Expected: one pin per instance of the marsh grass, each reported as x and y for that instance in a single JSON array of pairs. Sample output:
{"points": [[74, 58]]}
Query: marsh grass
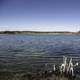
{"points": [[39, 75]]}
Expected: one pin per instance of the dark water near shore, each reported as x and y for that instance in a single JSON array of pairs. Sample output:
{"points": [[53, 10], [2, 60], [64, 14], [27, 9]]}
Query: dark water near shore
{"points": [[23, 52]]}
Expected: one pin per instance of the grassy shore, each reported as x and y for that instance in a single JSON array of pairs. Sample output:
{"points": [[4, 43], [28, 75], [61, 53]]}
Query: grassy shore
{"points": [[34, 76]]}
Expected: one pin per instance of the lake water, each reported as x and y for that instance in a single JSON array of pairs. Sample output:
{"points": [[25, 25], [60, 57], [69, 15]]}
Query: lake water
{"points": [[21, 52]]}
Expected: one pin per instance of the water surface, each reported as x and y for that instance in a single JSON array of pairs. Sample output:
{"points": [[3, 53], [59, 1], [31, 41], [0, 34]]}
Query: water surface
{"points": [[21, 52]]}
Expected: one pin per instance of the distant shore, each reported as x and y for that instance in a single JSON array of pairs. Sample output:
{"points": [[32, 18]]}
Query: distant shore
{"points": [[39, 33]]}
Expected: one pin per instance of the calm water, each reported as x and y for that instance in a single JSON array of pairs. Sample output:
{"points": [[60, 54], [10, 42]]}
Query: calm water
{"points": [[18, 52]]}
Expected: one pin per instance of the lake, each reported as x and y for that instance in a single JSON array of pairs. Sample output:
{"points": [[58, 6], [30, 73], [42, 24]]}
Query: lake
{"points": [[26, 52]]}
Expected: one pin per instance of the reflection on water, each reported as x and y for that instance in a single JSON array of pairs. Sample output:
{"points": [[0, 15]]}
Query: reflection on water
{"points": [[18, 52]]}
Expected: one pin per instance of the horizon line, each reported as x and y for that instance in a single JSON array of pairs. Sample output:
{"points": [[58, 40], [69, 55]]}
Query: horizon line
{"points": [[33, 31]]}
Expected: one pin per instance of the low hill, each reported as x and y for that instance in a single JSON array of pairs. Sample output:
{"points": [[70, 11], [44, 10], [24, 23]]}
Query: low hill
{"points": [[39, 33]]}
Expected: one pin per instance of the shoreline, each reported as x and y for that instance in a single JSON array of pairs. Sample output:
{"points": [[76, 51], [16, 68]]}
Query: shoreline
{"points": [[39, 33]]}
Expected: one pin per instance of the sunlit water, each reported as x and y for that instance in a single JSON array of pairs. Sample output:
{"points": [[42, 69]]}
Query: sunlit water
{"points": [[21, 52]]}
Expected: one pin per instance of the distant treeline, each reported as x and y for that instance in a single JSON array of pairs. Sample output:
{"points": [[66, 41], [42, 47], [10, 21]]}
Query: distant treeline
{"points": [[38, 32]]}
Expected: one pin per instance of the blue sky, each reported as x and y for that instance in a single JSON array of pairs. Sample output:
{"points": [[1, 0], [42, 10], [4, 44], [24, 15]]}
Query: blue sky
{"points": [[40, 15]]}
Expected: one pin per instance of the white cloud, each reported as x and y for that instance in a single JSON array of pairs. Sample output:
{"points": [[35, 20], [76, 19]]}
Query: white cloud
{"points": [[41, 28]]}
